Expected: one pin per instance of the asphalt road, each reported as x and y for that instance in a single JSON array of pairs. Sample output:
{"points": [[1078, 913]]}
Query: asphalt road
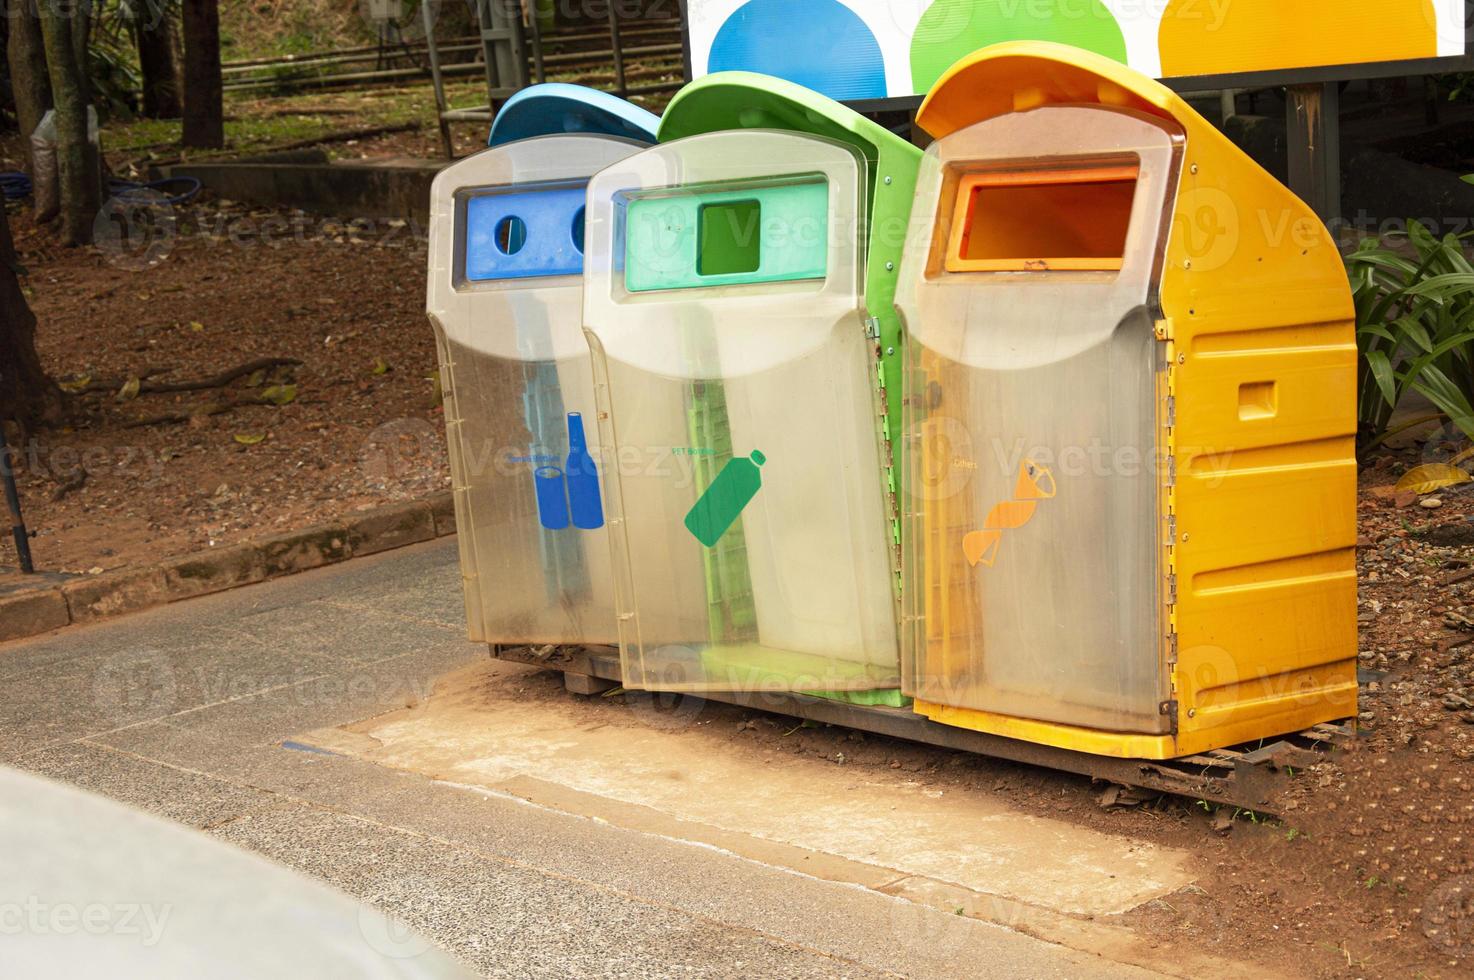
{"points": [[194, 712]]}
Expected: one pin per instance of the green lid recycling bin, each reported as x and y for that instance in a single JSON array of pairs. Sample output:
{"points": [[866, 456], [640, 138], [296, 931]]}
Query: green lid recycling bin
{"points": [[724, 303], [505, 293]]}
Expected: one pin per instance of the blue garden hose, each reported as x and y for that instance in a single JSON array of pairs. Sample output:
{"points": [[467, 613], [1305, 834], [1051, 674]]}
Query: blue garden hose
{"points": [[17, 185], [123, 189]]}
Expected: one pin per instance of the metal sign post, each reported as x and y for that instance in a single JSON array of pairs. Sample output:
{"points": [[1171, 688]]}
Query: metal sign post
{"points": [[12, 504], [502, 26], [1315, 146]]}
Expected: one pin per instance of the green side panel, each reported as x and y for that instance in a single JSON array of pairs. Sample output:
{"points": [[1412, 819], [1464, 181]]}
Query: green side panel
{"points": [[737, 236], [952, 29], [731, 609], [890, 218], [891, 698], [758, 668]]}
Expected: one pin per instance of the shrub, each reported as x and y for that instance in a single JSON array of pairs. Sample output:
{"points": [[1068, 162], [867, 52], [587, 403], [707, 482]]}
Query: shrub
{"points": [[1415, 331]]}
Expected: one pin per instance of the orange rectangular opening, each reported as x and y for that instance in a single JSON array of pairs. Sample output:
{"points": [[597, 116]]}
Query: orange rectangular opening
{"points": [[1065, 220]]}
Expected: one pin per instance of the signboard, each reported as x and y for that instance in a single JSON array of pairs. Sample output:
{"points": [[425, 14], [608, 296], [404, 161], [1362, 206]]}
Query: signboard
{"points": [[864, 50]]}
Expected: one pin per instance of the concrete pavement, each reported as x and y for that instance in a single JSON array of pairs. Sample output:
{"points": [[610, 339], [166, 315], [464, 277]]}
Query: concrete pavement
{"points": [[199, 712]]}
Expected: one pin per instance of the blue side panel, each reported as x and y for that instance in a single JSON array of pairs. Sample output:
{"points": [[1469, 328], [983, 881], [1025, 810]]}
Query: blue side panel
{"points": [[556, 107], [820, 44], [523, 234], [565, 572]]}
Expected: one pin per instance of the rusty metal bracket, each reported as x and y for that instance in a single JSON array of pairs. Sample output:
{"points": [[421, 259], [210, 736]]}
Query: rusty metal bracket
{"points": [[1249, 779]]}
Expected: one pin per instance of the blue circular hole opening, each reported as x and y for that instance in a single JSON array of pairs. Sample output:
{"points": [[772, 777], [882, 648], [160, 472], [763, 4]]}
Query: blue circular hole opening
{"points": [[511, 234], [578, 231]]}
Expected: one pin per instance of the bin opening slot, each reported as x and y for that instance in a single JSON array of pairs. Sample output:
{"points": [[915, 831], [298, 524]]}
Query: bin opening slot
{"points": [[1073, 219], [705, 236], [731, 238], [519, 232]]}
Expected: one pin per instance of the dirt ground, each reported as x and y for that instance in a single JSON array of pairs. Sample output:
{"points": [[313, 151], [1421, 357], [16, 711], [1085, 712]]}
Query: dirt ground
{"points": [[145, 476]]}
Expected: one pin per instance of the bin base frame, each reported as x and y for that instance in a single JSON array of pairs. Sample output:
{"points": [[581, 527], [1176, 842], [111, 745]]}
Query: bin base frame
{"points": [[1251, 777]]}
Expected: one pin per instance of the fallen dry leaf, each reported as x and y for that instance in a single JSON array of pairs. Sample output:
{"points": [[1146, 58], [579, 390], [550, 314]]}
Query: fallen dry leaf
{"points": [[1431, 477]]}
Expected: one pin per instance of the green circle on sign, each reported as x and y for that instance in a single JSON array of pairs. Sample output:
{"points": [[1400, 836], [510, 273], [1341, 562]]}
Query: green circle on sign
{"points": [[950, 30]]}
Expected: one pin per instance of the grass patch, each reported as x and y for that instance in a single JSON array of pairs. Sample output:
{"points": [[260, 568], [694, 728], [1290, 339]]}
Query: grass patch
{"points": [[254, 123]]}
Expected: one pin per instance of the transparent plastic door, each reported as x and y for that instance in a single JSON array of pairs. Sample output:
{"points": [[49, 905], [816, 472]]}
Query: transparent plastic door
{"points": [[1034, 515], [724, 304], [505, 296]]}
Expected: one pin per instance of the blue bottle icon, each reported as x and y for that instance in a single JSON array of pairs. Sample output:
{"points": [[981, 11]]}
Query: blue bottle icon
{"points": [[586, 504], [552, 501]]}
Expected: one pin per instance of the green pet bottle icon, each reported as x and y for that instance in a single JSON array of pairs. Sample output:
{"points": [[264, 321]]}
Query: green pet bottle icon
{"points": [[726, 498]]}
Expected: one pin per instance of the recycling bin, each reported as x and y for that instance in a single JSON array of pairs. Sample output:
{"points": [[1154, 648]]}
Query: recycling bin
{"points": [[724, 303], [1130, 419], [738, 100], [505, 296]]}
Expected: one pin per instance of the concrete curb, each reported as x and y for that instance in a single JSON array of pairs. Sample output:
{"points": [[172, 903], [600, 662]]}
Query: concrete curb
{"points": [[87, 600], [377, 190]]}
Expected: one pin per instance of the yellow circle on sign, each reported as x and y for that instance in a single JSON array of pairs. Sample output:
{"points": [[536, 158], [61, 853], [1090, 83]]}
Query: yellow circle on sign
{"points": [[1212, 37]]}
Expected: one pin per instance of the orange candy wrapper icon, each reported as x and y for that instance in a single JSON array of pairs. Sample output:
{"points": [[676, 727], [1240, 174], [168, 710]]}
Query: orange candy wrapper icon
{"points": [[1035, 483]]}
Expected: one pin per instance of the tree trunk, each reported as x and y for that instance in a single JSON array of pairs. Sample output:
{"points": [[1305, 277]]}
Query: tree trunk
{"points": [[157, 62], [26, 393], [204, 109], [77, 167], [81, 35], [26, 54]]}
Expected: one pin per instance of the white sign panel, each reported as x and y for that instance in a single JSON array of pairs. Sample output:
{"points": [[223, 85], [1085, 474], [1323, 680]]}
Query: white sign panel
{"points": [[871, 49]]}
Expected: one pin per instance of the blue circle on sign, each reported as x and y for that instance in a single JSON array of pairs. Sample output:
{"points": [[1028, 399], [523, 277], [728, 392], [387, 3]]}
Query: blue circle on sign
{"points": [[820, 44]]}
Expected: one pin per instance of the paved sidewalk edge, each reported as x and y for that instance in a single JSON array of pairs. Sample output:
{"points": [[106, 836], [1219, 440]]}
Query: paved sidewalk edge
{"points": [[89, 599]]}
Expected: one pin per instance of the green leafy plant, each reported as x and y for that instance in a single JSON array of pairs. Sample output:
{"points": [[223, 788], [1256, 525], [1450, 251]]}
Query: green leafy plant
{"points": [[1415, 331], [1459, 86], [113, 78]]}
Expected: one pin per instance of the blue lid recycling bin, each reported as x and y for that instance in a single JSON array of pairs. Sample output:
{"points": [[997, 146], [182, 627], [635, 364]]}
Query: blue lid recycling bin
{"points": [[505, 292]]}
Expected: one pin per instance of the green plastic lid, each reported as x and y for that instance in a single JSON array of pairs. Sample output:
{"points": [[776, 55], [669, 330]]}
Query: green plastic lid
{"points": [[747, 100]]}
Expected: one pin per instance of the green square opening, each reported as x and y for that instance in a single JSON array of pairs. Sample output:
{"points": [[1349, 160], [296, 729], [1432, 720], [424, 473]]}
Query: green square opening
{"points": [[731, 238]]}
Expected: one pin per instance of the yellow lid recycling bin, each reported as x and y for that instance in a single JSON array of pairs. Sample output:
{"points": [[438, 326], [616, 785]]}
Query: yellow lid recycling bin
{"points": [[725, 306], [1130, 419], [505, 297]]}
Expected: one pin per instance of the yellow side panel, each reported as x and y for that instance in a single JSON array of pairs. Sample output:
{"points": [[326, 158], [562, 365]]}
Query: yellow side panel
{"points": [[1259, 309], [1091, 740]]}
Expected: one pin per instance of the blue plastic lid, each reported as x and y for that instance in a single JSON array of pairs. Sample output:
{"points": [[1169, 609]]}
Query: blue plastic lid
{"points": [[556, 107]]}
